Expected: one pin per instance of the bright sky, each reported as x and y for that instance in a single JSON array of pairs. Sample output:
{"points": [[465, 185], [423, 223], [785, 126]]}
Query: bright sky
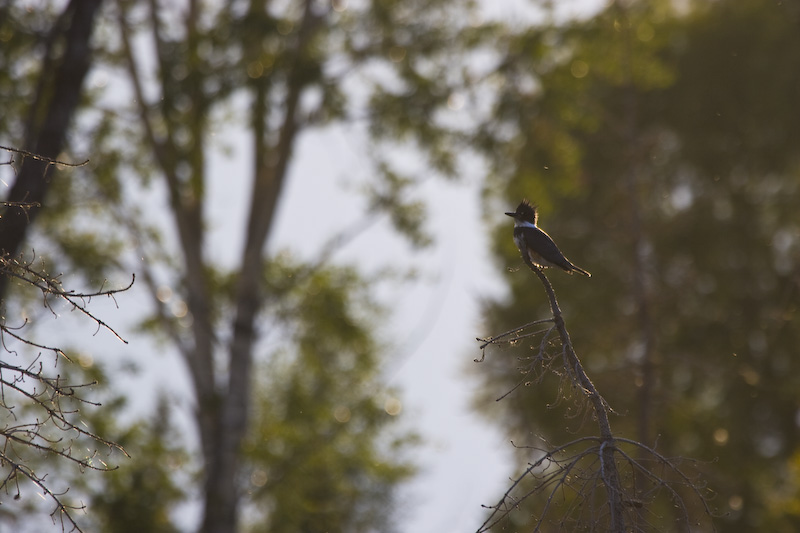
{"points": [[464, 461]]}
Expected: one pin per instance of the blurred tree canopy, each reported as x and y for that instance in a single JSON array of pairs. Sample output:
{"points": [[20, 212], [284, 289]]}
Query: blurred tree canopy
{"points": [[320, 452], [661, 143], [659, 140]]}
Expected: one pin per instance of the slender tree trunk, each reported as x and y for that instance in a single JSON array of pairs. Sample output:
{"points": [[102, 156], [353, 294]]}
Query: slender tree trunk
{"points": [[221, 509], [187, 213], [222, 407], [65, 65]]}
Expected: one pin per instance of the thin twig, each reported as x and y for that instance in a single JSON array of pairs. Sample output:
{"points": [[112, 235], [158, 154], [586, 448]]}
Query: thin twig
{"points": [[42, 158]]}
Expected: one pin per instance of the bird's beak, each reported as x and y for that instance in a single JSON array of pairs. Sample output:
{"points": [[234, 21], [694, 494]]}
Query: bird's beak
{"points": [[511, 214]]}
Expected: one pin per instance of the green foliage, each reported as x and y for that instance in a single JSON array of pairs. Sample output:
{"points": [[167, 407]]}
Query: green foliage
{"points": [[318, 455], [291, 66], [22, 42], [669, 156], [142, 493], [311, 391], [389, 195]]}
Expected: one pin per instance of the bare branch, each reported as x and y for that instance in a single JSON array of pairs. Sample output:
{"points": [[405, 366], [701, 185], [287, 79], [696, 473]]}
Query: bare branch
{"points": [[50, 286], [39, 158], [62, 510], [43, 411], [592, 482]]}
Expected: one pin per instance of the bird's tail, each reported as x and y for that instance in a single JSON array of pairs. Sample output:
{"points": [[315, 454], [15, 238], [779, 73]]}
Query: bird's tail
{"points": [[580, 270]]}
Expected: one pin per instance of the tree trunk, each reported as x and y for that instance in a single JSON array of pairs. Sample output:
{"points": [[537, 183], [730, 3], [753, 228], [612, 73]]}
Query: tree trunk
{"points": [[221, 506], [57, 97]]}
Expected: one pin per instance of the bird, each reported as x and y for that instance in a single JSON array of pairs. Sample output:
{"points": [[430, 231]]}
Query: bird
{"points": [[537, 245]]}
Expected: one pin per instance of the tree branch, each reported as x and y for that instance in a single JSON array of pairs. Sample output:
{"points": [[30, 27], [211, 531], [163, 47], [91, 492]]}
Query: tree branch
{"points": [[43, 412], [567, 476], [599, 406]]}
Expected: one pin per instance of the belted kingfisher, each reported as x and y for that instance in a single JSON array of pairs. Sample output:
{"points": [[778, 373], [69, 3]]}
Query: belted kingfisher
{"points": [[535, 243]]}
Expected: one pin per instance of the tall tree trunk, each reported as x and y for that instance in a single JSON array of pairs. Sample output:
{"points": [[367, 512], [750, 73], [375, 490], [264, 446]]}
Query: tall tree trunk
{"points": [[66, 62], [222, 408], [221, 507]]}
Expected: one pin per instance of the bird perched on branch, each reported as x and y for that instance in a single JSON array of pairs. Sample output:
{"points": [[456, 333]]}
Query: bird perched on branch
{"points": [[537, 245]]}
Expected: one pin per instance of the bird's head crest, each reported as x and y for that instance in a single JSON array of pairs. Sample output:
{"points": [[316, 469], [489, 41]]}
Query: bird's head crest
{"points": [[528, 211]]}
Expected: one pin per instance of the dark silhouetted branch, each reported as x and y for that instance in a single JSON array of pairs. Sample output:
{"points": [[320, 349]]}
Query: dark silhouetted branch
{"points": [[631, 475]]}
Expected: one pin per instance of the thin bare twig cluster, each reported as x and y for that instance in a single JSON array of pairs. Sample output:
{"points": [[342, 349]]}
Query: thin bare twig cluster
{"points": [[40, 411], [533, 367], [572, 494], [593, 483]]}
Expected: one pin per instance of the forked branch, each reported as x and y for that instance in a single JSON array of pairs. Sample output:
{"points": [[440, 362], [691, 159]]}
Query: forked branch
{"points": [[598, 482]]}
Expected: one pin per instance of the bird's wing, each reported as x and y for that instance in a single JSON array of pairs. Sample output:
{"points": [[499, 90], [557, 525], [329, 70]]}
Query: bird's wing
{"points": [[541, 243]]}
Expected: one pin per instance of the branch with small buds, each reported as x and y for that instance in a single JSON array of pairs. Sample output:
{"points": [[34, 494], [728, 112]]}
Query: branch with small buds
{"points": [[42, 411]]}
